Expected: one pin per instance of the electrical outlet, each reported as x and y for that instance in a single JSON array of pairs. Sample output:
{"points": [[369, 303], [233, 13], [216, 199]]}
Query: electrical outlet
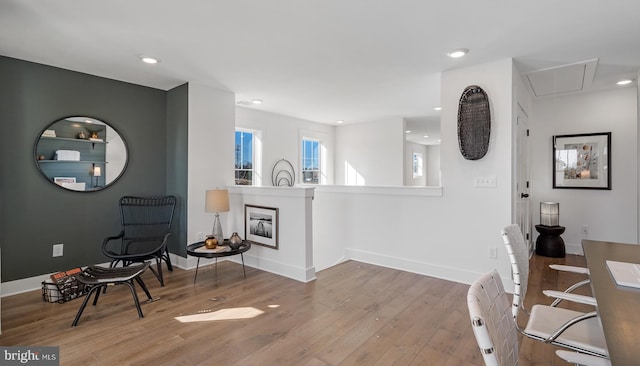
{"points": [[585, 231], [492, 252], [58, 250]]}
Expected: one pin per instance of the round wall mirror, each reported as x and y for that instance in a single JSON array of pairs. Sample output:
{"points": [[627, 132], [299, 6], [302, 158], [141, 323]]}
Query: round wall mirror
{"points": [[81, 154]]}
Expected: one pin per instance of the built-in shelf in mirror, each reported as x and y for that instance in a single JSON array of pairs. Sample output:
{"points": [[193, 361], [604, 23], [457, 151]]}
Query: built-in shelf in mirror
{"points": [[81, 154]]}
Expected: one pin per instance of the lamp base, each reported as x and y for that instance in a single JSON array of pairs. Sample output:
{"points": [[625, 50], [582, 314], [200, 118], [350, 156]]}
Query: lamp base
{"points": [[549, 242], [217, 230]]}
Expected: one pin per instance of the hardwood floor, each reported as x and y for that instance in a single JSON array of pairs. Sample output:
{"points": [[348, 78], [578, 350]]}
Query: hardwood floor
{"points": [[353, 314]]}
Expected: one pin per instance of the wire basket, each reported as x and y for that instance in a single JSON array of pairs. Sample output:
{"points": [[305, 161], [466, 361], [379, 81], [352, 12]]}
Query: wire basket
{"points": [[66, 291]]}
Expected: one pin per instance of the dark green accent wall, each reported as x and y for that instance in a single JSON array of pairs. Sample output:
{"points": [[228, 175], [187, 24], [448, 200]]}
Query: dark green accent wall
{"points": [[177, 158], [34, 214]]}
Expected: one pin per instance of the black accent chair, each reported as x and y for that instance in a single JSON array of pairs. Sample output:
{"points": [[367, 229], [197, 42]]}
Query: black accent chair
{"points": [[146, 224]]}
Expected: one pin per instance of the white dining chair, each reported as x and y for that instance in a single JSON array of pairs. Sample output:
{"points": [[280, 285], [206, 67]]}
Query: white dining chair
{"points": [[570, 289], [515, 237], [495, 328], [581, 332]]}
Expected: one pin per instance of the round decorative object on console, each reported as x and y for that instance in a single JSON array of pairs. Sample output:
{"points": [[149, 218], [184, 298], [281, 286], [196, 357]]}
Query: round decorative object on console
{"points": [[235, 241], [211, 242], [283, 174]]}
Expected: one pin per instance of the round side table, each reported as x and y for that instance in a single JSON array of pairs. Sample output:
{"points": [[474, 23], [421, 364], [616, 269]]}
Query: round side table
{"points": [[224, 250], [549, 242]]}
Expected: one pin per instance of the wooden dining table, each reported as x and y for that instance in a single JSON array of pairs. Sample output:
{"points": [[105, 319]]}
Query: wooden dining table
{"points": [[618, 306]]}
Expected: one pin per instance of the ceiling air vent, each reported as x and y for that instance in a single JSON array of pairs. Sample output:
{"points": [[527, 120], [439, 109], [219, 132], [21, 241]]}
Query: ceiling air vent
{"points": [[562, 79]]}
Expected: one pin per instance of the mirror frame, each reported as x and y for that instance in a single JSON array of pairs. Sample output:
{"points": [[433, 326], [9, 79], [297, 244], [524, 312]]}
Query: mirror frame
{"points": [[93, 189]]}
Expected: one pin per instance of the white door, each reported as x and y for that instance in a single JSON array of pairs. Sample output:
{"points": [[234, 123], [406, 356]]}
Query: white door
{"points": [[523, 218]]}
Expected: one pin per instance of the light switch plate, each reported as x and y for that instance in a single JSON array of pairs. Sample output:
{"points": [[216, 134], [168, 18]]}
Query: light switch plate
{"points": [[485, 182]]}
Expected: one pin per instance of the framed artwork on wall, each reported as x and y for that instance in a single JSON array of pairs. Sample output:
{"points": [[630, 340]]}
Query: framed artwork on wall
{"points": [[261, 225], [582, 161]]}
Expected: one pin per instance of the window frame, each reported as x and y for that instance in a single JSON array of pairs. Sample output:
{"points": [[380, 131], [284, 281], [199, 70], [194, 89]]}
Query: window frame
{"points": [[253, 156], [320, 158], [418, 166]]}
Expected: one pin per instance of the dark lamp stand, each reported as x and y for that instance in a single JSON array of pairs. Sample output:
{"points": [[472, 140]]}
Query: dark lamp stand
{"points": [[549, 242]]}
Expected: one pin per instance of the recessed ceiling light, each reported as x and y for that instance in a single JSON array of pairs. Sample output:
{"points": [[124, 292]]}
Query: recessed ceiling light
{"points": [[624, 82], [458, 52], [437, 108], [407, 131], [426, 136], [339, 121], [149, 60], [256, 101]]}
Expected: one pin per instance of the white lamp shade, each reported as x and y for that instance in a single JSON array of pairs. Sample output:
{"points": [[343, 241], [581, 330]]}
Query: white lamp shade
{"points": [[217, 200], [549, 213], [97, 171]]}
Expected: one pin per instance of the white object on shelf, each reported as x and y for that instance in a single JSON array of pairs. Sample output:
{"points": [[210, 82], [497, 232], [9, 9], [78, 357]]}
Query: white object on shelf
{"points": [[68, 155]]}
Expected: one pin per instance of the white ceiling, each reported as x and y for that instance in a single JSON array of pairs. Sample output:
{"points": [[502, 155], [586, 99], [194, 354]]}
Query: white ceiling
{"points": [[320, 60]]}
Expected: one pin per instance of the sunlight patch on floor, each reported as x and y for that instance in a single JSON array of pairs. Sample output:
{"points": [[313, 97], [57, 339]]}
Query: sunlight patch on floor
{"points": [[223, 314]]}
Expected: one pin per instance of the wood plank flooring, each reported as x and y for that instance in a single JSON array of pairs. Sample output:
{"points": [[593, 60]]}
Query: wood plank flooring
{"points": [[353, 314]]}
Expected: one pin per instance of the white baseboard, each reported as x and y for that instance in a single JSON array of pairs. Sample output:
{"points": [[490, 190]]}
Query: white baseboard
{"points": [[23, 285], [282, 269], [423, 268], [299, 274], [573, 249], [29, 284]]}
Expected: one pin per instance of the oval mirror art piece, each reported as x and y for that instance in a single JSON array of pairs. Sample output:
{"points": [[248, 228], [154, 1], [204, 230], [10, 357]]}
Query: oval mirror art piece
{"points": [[474, 123], [81, 154]]}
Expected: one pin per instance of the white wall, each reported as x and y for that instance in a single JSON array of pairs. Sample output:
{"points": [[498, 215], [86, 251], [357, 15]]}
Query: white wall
{"points": [[370, 153], [478, 213], [409, 149], [211, 141], [281, 137], [433, 165], [442, 232], [294, 256], [611, 215]]}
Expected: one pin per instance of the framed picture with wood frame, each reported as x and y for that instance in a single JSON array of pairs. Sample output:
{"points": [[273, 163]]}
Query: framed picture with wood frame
{"points": [[582, 161], [261, 225]]}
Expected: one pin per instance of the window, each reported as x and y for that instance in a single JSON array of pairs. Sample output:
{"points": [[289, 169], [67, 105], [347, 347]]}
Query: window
{"points": [[417, 165], [310, 161], [244, 168]]}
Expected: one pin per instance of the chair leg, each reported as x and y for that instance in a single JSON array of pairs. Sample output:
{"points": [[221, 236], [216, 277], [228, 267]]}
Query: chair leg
{"points": [[144, 287], [95, 299], [158, 271], [84, 304], [160, 277], [167, 259], [135, 297]]}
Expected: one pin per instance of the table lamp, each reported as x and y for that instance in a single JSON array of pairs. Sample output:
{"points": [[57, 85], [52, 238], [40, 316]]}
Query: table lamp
{"points": [[217, 200], [97, 172], [549, 213]]}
